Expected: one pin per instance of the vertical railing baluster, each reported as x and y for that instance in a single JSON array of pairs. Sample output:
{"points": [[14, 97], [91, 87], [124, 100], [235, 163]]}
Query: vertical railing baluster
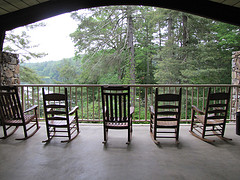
{"points": [[76, 96], [93, 102], [134, 102], [203, 100], [151, 96], [99, 105], [70, 97], [197, 96], [23, 98], [146, 102], [139, 104], [27, 98], [87, 106], [186, 103], [33, 97], [38, 103], [236, 108], [231, 103], [82, 101]]}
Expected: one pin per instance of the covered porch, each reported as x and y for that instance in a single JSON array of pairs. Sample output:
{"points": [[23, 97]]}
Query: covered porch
{"points": [[87, 158]]}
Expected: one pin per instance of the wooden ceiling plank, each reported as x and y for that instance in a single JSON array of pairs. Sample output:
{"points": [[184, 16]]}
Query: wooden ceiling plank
{"points": [[18, 4], [43, 1], [8, 7], [218, 1], [31, 2], [230, 2], [237, 5], [2, 11]]}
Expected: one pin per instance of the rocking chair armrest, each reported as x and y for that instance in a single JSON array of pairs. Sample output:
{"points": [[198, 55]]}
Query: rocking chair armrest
{"points": [[49, 109], [197, 109], [151, 110], [132, 110], [73, 110], [31, 108]]}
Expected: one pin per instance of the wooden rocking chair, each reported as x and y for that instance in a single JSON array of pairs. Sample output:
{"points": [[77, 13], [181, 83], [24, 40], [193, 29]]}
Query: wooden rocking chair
{"points": [[165, 116], [12, 115], [117, 113], [59, 122], [212, 122]]}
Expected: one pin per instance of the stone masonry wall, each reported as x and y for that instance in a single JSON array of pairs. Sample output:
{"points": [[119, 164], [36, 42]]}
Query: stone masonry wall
{"points": [[9, 69], [235, 81]]}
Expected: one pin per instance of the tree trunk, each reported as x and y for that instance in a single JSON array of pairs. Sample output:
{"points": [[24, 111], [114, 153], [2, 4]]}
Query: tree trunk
{"points": [[184, 20], [170, 24], [170, 35], [130, 45]]}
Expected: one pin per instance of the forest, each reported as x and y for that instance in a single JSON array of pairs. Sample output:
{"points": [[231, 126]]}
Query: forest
{"points": [[136, 45], [142, 45]]}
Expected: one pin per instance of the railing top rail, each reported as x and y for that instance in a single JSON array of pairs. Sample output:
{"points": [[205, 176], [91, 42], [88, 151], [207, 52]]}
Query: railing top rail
{"points": [[131, 85]]}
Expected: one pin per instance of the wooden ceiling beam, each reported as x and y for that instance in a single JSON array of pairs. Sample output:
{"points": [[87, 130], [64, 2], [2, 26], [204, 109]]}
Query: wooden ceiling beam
{"points": [[52, 8]]}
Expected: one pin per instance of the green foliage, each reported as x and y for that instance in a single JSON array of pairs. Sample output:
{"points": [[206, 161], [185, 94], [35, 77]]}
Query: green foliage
{"points": [[28, 75], [56, 72], [20, 43], [169, 47]]}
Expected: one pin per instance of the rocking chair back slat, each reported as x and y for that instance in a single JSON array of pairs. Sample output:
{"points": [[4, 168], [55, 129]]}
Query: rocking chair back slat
{"points": [[116, 105], [11, 108]]}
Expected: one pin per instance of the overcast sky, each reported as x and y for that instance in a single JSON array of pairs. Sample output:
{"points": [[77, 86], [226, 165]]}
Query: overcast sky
{"points": [[54, 37]]}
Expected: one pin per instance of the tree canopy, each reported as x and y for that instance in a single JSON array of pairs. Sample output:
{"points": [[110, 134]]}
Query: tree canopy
{"points": [[147, 45]]}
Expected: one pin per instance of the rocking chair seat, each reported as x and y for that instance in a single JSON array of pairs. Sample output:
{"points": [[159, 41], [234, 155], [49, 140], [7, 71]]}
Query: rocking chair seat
{"points": [[116, 125], [166, 123], [28, 118], [210, 121], [60, 123]]}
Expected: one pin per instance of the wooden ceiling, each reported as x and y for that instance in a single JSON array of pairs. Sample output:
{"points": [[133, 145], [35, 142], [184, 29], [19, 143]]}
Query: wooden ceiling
{"points": [[15, 13]]}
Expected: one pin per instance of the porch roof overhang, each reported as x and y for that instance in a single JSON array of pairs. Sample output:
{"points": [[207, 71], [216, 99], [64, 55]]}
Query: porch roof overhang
{"points": [[15, 13]]}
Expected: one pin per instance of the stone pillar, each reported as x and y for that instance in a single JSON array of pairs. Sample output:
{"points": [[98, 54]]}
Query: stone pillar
{"points": [[235, 81], [9, 69]]}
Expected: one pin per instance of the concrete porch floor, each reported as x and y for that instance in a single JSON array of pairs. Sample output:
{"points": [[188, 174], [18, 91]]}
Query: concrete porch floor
{"points": [[86, 158]]}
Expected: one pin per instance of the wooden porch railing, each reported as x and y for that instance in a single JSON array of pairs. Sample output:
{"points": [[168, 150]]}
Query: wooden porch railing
{"points": [[88, 98]]}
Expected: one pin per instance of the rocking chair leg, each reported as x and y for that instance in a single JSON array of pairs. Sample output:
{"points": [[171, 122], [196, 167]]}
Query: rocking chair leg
{"points": [[177, 136], [154, 140], [67, 141], [203, 139], [48, 140], [11, 133], [129, 136], [105, 135], [223, 138], [49, 136]]}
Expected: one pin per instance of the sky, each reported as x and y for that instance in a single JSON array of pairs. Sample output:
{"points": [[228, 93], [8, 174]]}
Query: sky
{"points": [[53, 39]]}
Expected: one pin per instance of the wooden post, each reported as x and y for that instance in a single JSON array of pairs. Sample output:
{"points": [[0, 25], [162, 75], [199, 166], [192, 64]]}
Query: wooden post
{"points": [[2, 37]]}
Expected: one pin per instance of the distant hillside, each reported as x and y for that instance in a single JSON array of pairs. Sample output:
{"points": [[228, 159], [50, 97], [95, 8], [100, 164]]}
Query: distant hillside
{"points": [[50, 71]]}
